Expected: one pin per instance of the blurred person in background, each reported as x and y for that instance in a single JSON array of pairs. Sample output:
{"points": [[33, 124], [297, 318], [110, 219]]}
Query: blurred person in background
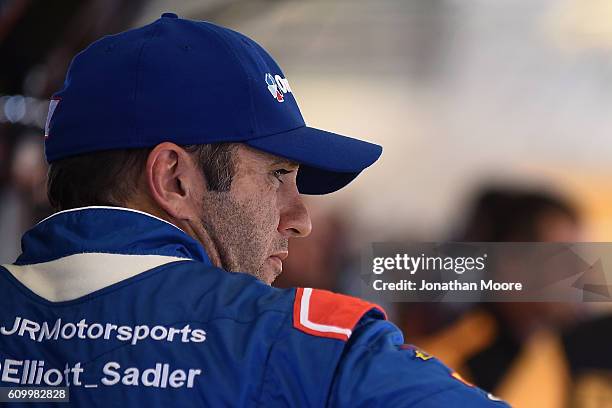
{"points": [[9, 203], [517, 215], [29, 175], [572, 369], [585, 360], [22, 190], [487, 341]]}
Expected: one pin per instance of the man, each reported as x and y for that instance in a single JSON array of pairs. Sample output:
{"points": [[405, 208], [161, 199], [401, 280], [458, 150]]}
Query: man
{"points": [[178, 155]]}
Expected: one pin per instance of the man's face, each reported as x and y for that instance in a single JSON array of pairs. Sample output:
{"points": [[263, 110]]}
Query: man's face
{"points": [[250, 225]]}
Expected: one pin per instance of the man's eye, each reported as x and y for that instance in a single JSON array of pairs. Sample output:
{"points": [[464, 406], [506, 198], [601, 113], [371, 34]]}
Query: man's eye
{"points": [[279, 173]]}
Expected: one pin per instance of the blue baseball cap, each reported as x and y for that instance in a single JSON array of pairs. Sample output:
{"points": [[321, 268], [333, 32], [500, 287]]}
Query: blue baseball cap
{"points": [[193, 82]]}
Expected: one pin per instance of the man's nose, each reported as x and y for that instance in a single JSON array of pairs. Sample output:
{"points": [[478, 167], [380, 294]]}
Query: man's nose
{"points": [[294, 219]]}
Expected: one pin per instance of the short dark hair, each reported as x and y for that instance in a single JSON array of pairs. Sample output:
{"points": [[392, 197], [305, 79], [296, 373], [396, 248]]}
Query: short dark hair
{"points": [[109, 178], [502, 214]]}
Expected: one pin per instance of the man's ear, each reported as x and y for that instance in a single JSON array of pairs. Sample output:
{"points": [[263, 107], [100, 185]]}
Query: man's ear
{"points": [[174, 180]]}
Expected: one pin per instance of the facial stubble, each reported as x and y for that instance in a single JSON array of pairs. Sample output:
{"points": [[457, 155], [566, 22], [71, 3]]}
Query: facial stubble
{"points": [[243, 232]]}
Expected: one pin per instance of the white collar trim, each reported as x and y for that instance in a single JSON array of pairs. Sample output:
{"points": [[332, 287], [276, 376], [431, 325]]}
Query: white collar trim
{"points": [[74, 276], [103, 207]]}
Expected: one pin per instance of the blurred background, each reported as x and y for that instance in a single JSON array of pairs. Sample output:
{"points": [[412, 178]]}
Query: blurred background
{"points": [[495, 121]]}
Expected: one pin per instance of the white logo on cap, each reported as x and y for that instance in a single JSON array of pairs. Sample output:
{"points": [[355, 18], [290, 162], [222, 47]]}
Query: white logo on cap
{"points": [[278, 86], [52, 105]]}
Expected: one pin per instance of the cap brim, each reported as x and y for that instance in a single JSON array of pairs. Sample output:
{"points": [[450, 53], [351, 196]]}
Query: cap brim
{"points": [[328, 161]]}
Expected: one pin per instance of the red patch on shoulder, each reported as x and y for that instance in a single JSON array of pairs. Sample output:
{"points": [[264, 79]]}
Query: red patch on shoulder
{"points": [[326, 314]]}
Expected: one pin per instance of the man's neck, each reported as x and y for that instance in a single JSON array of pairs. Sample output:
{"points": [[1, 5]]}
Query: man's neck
{"points": [[191, 227]]}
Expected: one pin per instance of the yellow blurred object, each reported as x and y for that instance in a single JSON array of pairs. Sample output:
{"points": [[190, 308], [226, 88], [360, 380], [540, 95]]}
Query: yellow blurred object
{"points": [[578, 24], [593, 390], [539, 378], [455, 344]]}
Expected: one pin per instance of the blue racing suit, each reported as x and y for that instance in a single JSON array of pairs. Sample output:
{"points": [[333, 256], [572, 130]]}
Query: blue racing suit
{"points": [[126, 309]]}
